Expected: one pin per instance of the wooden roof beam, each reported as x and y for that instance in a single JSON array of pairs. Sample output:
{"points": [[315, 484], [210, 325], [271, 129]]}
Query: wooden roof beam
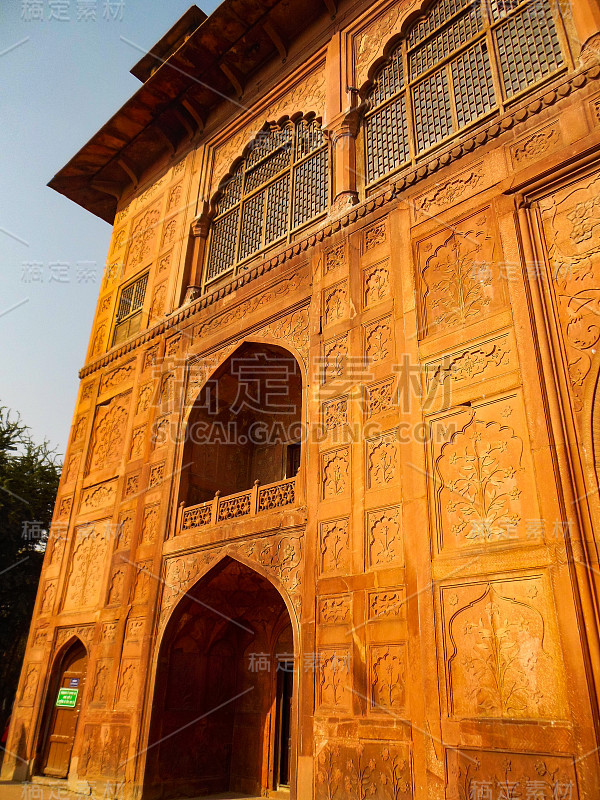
{"points": [[194, 111], [274, 36], [128, 169], [233, 78]]}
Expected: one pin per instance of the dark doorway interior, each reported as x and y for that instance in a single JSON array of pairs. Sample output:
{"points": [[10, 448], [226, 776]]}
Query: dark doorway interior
{"points": [[285, 684]]}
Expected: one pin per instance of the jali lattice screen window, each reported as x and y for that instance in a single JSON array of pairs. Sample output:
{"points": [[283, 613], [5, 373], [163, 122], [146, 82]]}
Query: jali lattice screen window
{"points": [[281, 184], [458, 62]]}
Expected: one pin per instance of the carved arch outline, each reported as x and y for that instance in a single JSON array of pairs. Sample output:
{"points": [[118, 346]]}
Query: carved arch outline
{"points": [[410, 16], [227, 351], [591, 440], [267, 126], [227, 551]]}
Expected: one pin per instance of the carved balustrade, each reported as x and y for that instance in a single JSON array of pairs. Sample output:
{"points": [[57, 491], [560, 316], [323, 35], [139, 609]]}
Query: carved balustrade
{"points": [[243, 504]]}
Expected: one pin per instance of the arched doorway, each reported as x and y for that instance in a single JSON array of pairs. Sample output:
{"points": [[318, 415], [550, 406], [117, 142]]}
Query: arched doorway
{"points": [[62, 711], [222, 718]]}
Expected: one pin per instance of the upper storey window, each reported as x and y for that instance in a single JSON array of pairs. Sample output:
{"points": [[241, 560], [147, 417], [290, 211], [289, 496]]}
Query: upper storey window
{"points": [[459, 61], [129, 311], [282, 183]]}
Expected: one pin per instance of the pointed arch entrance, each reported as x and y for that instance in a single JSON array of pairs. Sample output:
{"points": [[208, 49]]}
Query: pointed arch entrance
{"points": [[222, 711], [62, 711]]}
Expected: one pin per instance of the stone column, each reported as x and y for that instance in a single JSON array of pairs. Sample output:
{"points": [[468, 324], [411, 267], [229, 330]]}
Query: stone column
{"points": [[343, 131], [196, 253]]}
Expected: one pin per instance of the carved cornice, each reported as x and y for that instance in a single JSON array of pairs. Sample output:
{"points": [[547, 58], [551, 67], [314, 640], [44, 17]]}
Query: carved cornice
{"points": [[390, 192]]}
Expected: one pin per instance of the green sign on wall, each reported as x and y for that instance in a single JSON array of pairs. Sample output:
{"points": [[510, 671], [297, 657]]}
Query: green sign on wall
{"points": [[67, 698]]}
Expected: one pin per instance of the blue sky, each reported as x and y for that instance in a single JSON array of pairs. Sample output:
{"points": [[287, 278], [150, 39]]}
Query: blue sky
{"points": [[61, 80]]}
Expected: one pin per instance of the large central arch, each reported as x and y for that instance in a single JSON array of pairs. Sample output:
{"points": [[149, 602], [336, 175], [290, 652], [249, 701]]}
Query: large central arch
{"points": [[221, 719]]}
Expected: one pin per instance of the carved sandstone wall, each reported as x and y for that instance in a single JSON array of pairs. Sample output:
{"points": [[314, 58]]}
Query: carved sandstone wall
{"points": [[435, 560]]}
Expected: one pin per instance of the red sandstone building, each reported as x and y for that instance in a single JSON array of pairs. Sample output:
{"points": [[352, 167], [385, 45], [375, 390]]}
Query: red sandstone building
{"points": [[328, 522]]}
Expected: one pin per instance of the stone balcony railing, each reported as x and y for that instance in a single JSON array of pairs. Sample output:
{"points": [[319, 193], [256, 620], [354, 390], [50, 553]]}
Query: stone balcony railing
{"points": [[243, 504]]}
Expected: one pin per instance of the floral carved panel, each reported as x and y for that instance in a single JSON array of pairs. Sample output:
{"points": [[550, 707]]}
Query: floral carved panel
{"points": [[472, 773], [108, 433], [116, 585], [104, 752], [150, 522], [335, 412], [117, 377], [378, 341], [334, 609], [87, 560], [128, 682], [375, 236], [334, 259], [387, 604], [485, 490], [334, 546], [501, 653], [445, 376], [144, 398], [460, 279], [335, 473], [28, 692], [125, 529], [99, 496], [335, 355], [380, 397], [571, 227], [357, 770], [384, 541], [376, 284], [448, 192], [387, 678], [143, 578], [143, 238], [335, 303], [334, 679], [533, 146], [382, 461], [136, 449], [99, 691]]}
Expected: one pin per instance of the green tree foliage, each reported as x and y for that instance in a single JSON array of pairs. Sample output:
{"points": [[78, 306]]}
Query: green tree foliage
{"points": [[29, 476]]}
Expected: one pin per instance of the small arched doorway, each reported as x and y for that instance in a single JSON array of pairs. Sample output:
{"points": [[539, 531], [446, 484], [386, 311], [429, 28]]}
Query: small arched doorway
{"points": [[222, 718], [62, 711]]}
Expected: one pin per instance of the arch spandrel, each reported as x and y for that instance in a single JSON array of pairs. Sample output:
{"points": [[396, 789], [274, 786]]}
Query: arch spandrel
{"points": [[278, 559], [66, 637]]}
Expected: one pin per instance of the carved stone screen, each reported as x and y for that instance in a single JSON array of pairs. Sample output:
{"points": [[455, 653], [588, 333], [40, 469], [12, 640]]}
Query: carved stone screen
{"points": [[459, 62], [282, 183]]}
